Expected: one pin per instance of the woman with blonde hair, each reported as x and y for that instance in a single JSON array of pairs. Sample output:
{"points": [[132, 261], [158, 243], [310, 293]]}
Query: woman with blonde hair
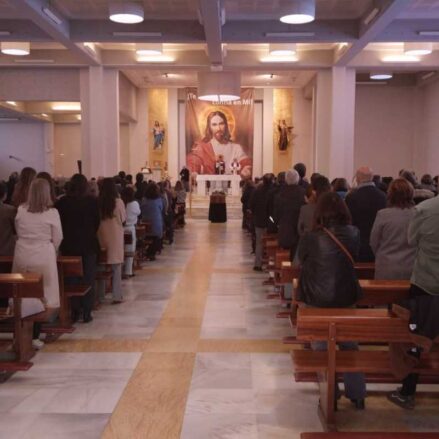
{"points": [[39, 235], [22, 187]]}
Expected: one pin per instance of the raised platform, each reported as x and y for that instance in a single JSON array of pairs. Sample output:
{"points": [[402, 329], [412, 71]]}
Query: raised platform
{"points": [[200, 207]]}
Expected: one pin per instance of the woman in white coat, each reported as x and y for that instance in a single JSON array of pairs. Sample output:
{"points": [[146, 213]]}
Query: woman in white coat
{"points": [[132, 213], [39, 235]]}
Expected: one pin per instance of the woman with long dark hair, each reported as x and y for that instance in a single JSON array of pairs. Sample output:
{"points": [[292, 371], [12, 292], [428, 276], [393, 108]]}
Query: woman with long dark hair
{"points": [[327, 276], [80, 221], [110, 235], [21, 189]]}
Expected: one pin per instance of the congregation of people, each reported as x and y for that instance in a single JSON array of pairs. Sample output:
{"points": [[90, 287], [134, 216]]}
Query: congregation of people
{"points": [[41, 218], [329, 226]]}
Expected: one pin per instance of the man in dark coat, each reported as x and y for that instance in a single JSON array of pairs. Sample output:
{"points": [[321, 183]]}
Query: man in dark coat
{"points": [[364, 202], [275, 189], [287, 204], [259, 209]]}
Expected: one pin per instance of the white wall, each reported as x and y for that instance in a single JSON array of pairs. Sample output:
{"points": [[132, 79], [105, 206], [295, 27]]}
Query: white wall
{"points": [[426, 151], [25, 141], [67, 148], [302, 122], [385, 119], [124, 132]]}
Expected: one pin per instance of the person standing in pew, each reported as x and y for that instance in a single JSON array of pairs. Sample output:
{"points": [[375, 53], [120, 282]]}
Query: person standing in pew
{"points": [[394, 256], [423, 302], [7, 229], [80, 222], [327, 275], [21, 189], [111, 236], [39, 234], [133, 211]]}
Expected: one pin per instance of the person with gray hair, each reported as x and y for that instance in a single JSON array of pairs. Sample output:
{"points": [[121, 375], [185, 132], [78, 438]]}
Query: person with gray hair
{"points": [[364, 202], [287, 206]]}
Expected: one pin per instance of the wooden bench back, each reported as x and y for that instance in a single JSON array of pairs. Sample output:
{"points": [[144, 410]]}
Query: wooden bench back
{"points": [[70, 266], [21, 285], [347, 324]]}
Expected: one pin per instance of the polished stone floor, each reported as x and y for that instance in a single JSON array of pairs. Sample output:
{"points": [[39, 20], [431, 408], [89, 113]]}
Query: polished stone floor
{"points": [[194, 352]]}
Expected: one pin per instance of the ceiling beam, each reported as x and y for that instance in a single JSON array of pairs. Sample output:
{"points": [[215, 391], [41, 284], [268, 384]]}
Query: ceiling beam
{"points": [[210, 11], [33, 10], [386, 12]]}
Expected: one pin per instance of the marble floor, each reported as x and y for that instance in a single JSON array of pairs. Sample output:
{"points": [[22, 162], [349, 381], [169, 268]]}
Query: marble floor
{"points": [[194, 352]]}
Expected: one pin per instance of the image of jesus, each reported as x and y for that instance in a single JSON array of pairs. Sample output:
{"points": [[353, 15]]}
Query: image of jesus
{"points": [[217, 142]]}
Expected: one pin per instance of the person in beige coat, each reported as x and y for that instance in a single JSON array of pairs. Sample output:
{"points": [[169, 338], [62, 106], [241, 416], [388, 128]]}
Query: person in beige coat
{"points": [[111, 236]]}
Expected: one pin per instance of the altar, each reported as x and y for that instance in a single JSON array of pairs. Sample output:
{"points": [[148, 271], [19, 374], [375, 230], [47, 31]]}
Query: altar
{"points": [[202, 179]]}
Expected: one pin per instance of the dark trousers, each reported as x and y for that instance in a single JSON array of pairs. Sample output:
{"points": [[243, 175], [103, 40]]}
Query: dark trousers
{"points": [[89, 266], [154, 247]]}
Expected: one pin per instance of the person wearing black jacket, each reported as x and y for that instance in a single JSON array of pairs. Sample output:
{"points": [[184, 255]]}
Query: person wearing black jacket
{"points": [[259, 208], [364, 202], [272, 226], [287, 204], [79, 215], [327, 275]]}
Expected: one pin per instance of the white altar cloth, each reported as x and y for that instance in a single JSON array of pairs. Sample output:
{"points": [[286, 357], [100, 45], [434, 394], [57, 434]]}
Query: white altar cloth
{"points": [[202, 179]]}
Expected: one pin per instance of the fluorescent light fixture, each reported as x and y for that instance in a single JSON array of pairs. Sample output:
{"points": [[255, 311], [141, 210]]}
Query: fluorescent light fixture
{"points": [[54, 17], [372, 14], [428, 33], [15, 48], [400, 59], [279, 49], [219, 86], [137, 34], [145, 49], [9, 119], [300, 12], [4, 33], [418, 48], [371, 83], [90, 46], [69, 106], [279, 59], [289, 34], [380, 76], [44, 115], [155, 59], [428, 75], [34, 61], [13, 103], [126, 12]]}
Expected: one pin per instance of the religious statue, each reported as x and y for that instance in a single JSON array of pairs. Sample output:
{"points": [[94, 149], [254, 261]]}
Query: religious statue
{"points": [[159, 135], [284, 132]]}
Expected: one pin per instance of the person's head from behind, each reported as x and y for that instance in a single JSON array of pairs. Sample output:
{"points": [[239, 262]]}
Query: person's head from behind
{"points": [[122, 175], [39, 198], [292, 177], [217, 127], [139, 177], [127, 195], [427, 179], [13, 177], [107, 198], [364, 175], [400, 194], [152, 191], [331, 211], [78, 186], [320, 186], [178, 186], [340, 185], [46, 176], [281, 178], [3, 191], [129, 179], [267, 179], [409, 177], [301, 169], [27, 175]]}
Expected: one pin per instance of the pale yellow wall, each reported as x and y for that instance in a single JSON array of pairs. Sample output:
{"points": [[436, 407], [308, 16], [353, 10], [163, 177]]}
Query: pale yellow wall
{"points": [[282, 109], [67, 148], [124, 142], [158, 110]]}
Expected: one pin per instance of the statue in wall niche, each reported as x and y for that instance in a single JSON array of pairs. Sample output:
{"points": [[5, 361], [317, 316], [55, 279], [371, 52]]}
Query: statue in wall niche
{"points": [[284, 134], [159, 135]]}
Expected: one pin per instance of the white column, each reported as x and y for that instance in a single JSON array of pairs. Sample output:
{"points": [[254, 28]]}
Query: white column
{"points": [[341, 159], [139, 133], [267, 134], [49, 147], [172, 134], [100, 121], [334, 122]]}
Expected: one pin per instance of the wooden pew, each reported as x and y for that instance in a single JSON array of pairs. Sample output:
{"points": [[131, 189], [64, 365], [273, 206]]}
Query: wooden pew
{"points": [[369, 435], [19, 286], [334, 325]]}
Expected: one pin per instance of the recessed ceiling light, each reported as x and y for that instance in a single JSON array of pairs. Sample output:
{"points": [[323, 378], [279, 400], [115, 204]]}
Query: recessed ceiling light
{"points": [[278, 59], [15, 48], [126, 12], [379, 76], [418, 49], [70, 106], [219, 86], [145, 49], [282, 49], [300, 12], [400, 58]]}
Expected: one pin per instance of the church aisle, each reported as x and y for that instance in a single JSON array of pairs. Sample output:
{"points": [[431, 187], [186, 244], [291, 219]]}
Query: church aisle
{"points": [[194, 352]]}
